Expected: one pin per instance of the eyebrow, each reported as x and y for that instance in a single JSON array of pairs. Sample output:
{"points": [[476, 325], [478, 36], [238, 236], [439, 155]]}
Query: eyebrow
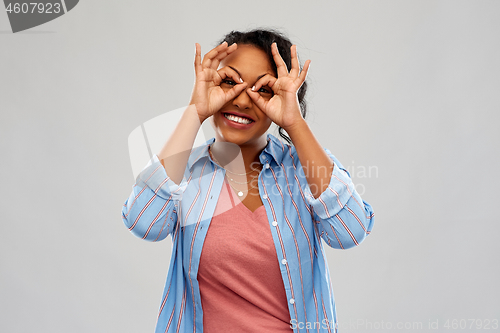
{"points": [[258, 78]]}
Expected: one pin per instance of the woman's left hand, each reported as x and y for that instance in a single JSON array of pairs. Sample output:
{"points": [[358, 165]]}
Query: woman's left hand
{"points": [[283, 108]]}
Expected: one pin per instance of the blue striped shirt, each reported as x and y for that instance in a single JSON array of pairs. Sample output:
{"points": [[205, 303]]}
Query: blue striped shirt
{"points": [[158, 207]]}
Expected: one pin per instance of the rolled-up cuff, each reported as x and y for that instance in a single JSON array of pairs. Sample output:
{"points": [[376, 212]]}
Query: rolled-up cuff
{"points": [[155, 177], [335, 196]]}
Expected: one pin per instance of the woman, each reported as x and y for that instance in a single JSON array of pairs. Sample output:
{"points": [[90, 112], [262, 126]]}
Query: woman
{"points": [[246, 211]]}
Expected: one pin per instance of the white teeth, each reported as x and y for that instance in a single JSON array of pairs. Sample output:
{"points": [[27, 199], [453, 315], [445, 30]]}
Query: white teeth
{"points": [[237, 119]]}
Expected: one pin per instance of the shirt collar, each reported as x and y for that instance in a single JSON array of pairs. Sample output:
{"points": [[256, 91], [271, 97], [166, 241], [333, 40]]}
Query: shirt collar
{"points": [[275, 149]]}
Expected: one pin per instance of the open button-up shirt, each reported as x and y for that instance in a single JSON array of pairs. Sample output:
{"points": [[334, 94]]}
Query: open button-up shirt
{"points": [[158, 207]]}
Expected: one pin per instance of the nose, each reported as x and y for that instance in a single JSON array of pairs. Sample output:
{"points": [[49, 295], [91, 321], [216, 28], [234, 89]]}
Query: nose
{"points": [[242, 101]]}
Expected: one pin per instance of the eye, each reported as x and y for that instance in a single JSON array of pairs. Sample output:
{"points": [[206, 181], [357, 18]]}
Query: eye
{"points": [[229, 82], [265, 90]]}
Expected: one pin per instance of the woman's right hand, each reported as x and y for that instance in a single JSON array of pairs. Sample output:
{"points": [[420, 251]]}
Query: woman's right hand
{"points": [[208, 96]]}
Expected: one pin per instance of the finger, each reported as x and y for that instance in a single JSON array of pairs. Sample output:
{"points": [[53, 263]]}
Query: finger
{"points": [[278, 60], [305, 70], [228, 72], [207, 59], [227, 51], [214, 64], [295, 62], [197, 58], [216, 61], [266, 80]]}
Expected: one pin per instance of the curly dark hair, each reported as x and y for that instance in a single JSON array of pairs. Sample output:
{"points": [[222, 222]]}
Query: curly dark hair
{"points": [[263, 38]]}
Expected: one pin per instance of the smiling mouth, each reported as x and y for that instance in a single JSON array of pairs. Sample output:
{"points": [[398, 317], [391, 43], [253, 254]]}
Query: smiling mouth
{"points": [[236, 119]]}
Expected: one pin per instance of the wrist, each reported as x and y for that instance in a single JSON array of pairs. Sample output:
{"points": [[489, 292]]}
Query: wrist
{"points": [[296, 127], [192, 112]]}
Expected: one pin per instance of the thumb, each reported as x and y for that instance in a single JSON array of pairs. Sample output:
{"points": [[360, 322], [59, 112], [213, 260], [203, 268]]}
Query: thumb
{"points": [[257, 99]]}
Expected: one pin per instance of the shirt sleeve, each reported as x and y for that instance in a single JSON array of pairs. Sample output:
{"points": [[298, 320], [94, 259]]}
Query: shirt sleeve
{"points": [[343, 218], [150, 212]]}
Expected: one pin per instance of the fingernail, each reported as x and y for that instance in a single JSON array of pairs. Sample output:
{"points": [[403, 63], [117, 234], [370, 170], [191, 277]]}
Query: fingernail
{"points": [[241, 80], [253, 88]]}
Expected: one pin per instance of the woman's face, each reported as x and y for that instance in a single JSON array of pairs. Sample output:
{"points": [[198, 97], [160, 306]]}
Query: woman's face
{"points": [[251, 63]]}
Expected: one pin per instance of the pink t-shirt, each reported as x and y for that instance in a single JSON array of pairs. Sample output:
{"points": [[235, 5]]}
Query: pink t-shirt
{"points": [[239, 275]]}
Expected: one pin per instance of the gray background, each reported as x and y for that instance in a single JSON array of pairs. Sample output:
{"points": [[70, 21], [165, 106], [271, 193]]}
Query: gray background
{"points": [[409, 88]]}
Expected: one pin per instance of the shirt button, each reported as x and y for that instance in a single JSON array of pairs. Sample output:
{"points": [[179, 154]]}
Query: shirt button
{"points": [[292, 301], [264, 197], [275, 223], [283, 261], [266, 166]]}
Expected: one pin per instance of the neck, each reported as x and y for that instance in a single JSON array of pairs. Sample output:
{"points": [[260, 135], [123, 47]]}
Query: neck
{"points": [[237, 158]]}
